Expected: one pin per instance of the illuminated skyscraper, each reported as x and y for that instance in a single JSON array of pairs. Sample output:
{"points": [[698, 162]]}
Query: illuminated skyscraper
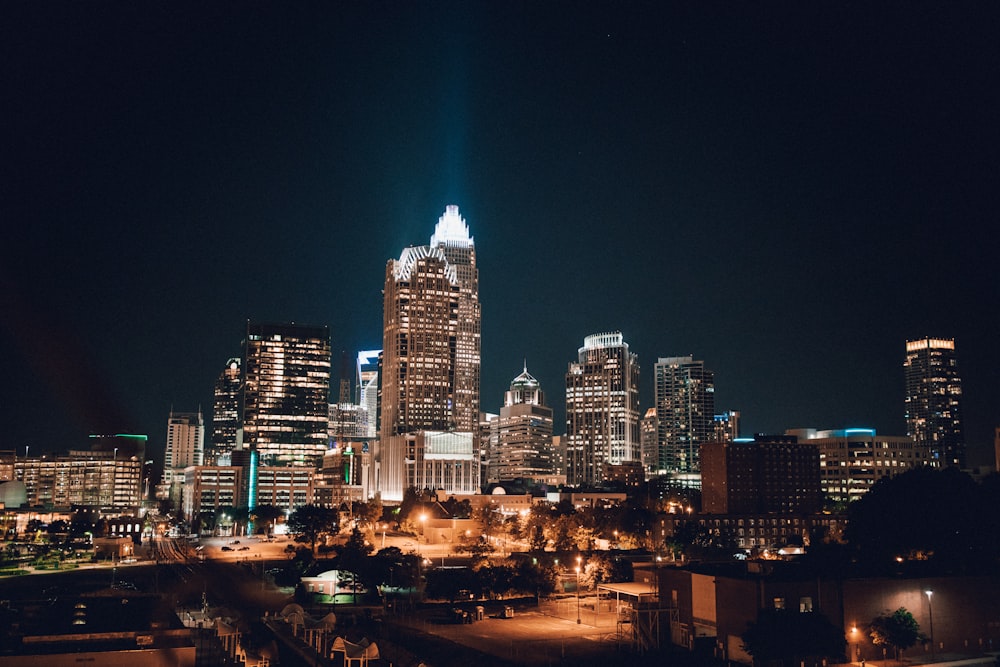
{"points": [[430, 364], [602, 408], [225, 413], [284, 395], [524, 432], [367, 389], [185, 447], [934, 399], [685, 411]]}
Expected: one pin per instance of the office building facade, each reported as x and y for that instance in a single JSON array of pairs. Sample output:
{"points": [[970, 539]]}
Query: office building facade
{"points": [[430, 359], [685, 411], [851, 460], [226, 420], [524, 432], [934, 399], [185, 447], [602, 408], [285, 393], [767, 475]]}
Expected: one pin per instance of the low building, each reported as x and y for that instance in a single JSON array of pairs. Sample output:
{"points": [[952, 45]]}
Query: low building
{"points": [[109, 627], [710, 607]]}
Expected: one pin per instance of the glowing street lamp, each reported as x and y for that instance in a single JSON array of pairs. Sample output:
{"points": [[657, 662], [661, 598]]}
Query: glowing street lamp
{"points": [[930, 612], [577, 594], [423, 522]]}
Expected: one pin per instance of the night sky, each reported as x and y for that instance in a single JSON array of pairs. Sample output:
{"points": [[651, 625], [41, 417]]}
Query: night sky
{"points": [[786, 191]]}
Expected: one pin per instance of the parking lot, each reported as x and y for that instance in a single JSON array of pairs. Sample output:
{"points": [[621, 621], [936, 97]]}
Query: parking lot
{"points": [[533, 635]]}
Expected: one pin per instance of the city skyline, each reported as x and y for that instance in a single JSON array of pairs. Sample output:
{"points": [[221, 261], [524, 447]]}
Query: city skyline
{"points": [[786, 195]]}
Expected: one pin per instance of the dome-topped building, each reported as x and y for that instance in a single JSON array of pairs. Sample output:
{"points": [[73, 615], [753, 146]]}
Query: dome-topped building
{"points": [[523, 432]]}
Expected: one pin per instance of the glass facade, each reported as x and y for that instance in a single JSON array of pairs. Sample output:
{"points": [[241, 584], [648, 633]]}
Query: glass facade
{"points": [[284, 396]]}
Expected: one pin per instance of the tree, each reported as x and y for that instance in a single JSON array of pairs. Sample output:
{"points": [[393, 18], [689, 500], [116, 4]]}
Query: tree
{"points": [[266, 515], [898, 630], [354, 552], [790, 637], [310, 521], [931, 522]]}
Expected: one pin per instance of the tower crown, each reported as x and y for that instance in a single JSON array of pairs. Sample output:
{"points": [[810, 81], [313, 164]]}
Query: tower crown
{"points": [[451, 229]]}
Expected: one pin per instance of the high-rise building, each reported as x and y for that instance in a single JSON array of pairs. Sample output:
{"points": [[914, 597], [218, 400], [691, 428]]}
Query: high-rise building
{"points": [[185, 447], [367, 389], [430, 362], [225, 412], [685, 411], [766, 475], [934, 399], [649, 443], [285, 392], [602, 408], [524, 432]]}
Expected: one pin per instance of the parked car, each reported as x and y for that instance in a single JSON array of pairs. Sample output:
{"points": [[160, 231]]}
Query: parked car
{"points": [[227, 548]]}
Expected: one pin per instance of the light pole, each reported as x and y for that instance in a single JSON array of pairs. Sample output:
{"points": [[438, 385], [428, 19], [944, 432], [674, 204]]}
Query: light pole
{"points": [[423, 530], [930, 613], [854, 640], [577, 594]]}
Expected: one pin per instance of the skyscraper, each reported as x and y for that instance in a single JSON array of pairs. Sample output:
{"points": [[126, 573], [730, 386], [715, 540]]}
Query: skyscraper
{"points": [[225, 412], [185, 447], [602, 408], [685, 411], [933, 399], [367, 389], [430, 364], [524, 432], [284, 394]]}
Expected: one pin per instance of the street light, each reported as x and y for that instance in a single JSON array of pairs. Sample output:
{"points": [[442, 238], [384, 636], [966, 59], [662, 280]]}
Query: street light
{"points": [[930, 613], [854, 639], [578, 594], [423, 531]]}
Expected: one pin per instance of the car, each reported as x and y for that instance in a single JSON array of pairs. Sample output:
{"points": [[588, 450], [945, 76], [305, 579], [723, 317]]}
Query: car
{"points": [[227, 548], [235, 542], [244, 549]]}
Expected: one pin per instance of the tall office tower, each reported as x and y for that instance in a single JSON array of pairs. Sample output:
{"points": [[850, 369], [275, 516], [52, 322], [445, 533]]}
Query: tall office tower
{"points": [[934, 399], [602, 408], [524, 430], [430, 362], [685, 407], [185, 447], [771, 474], [367, 389], [649, 446], [225, 413], [285, 393], [451, 235]]}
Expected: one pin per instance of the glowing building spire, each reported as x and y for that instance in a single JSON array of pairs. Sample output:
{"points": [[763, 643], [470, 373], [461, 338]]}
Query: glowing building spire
{"points": [[451, 229]]}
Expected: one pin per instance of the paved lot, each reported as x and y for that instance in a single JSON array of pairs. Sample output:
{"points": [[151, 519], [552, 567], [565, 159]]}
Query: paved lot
{"points": [[544, 635]]}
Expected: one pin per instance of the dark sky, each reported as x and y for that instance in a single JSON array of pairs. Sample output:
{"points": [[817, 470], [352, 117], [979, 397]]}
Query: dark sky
{"points": [[786, 191]]}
